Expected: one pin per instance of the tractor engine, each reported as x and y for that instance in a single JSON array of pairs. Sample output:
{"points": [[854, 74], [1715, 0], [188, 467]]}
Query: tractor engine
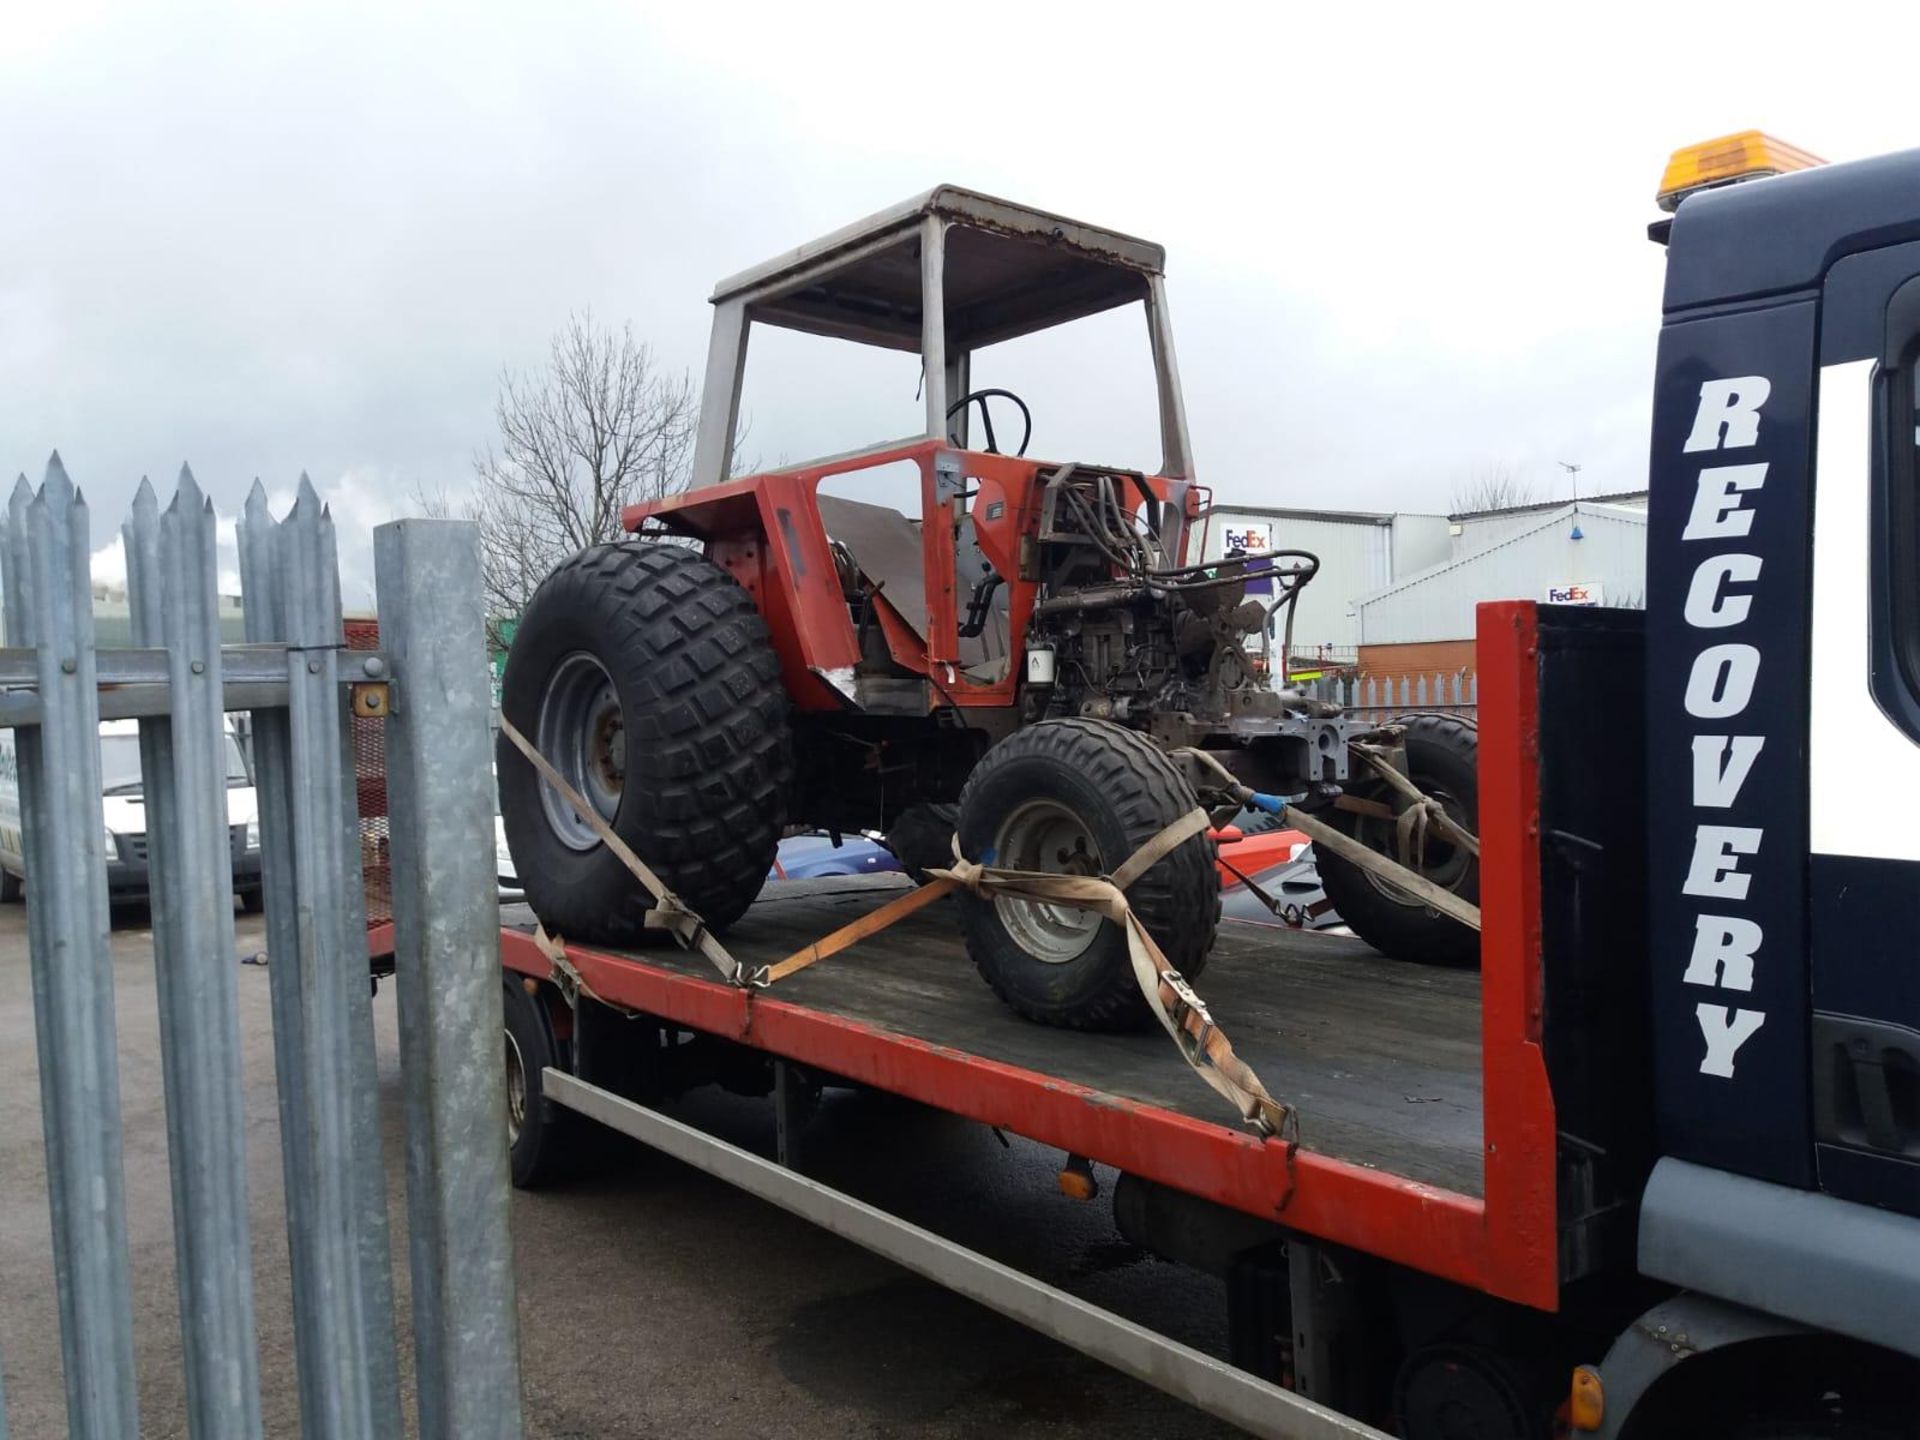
{"points": [[1151, 654], [1121, 632]]}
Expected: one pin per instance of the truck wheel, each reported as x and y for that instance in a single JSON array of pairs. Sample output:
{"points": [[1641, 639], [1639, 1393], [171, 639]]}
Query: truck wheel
{"points": [[540, 1136], [1442, 759], [1079, 797], [654, 642], [12, 888]]}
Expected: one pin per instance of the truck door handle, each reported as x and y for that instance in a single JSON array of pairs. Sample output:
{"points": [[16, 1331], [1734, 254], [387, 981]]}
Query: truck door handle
{"points": [[1866, 1085]]}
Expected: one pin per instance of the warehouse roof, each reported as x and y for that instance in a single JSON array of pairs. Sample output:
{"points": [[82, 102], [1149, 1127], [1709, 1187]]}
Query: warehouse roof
{"points": [[1542, 507], [1565, 510], [1332, 517]]}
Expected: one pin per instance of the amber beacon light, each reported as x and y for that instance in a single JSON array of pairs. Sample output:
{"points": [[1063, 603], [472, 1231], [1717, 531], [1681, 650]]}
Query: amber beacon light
{"points": [[1748, 155]]}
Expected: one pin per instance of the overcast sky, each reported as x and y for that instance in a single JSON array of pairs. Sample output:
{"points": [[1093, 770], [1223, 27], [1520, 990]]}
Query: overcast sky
{"points": [[1403, 247]]}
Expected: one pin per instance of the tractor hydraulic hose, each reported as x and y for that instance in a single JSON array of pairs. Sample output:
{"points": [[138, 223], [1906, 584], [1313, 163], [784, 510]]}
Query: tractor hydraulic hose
{"points": [[1104, 598]]}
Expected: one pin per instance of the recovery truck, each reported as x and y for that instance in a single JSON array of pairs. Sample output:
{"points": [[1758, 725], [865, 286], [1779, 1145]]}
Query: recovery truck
{"points": [[1665, 1175]]}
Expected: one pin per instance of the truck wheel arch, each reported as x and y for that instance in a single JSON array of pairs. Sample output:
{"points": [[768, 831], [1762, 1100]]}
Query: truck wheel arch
{"points": [[1651, 1394]]}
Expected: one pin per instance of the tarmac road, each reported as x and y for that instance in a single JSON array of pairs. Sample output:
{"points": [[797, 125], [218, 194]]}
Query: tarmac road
{"points": [[654, 1301]]}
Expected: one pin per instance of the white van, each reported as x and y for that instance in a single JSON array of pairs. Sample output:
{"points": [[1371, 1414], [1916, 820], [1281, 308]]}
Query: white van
{"points": [[124, 813]]}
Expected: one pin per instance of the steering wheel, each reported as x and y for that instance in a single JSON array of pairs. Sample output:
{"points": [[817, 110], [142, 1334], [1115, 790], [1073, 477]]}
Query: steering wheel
{"points": [[980, 398]]}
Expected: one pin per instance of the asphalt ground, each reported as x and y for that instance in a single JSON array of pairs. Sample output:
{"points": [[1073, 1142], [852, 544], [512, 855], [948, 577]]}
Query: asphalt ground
{"points": [[653, 1300]]}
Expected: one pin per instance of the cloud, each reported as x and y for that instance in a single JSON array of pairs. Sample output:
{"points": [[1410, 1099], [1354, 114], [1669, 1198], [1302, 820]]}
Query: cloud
{"points": [[308, 237], [357, 501], [108, 563]]}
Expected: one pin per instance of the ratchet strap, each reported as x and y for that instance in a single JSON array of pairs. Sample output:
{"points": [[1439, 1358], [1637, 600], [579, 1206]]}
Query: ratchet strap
{"points": [[1294, 916], [1179, 1010], [1337, 842], [871, 923], [669, 912]]}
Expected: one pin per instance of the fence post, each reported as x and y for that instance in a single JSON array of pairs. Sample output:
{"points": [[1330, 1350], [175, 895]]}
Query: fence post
{"points": [[322, 1017], [49, 605], [172, 564], [447, 939]]}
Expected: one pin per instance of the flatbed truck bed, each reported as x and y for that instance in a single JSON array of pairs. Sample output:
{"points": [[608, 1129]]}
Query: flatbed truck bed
{"points": [[1384, 1057], [1428, 1140]]}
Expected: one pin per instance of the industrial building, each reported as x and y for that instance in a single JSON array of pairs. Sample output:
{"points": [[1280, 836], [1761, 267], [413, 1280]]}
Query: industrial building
{"points": [[1360, 551], [1396, 592], [1586, 552]]}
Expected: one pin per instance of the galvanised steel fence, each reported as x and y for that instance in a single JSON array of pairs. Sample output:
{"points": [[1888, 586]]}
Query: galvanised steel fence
{"points": [[304, 690], [1382, 697]]}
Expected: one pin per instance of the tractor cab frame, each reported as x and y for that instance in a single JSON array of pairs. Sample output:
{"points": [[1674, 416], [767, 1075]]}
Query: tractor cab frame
{"points": [[932, 612], [944, 274]]}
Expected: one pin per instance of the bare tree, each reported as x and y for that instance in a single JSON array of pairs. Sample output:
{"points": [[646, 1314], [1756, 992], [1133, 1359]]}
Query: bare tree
{"points": [[599, 427], [1492, 486]]}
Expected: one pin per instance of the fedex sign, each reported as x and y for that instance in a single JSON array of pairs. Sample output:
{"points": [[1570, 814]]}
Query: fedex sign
{"points": [[1577, 592]]}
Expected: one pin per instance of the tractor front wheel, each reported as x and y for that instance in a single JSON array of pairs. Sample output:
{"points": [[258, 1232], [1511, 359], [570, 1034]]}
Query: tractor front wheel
{"points": [[1079, 797], [644, 676]]}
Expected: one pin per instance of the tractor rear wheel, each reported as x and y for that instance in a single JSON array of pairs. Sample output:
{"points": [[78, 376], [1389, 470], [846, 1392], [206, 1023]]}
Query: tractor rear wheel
{"points": [[643, 674], [1443, 760], [1079, 797], [922, 838]]}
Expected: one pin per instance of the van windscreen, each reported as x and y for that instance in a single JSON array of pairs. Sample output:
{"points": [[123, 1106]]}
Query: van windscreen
{"points": [[120, 765]]}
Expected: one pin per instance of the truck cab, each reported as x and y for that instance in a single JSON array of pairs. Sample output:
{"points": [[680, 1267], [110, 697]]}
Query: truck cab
{"points": [[1782, 702]]}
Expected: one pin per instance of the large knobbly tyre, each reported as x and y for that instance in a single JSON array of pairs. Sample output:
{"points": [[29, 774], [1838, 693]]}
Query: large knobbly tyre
{"points": [[642, 672], [1080, 797], [1443, 760]]}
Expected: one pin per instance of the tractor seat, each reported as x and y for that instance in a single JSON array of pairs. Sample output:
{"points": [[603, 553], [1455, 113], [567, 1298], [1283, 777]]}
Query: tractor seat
{"points": [[885, 548]]}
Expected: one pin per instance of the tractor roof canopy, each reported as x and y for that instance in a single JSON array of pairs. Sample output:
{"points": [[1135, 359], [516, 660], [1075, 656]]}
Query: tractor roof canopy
{"points": [[1010, 270], [945, 273]]}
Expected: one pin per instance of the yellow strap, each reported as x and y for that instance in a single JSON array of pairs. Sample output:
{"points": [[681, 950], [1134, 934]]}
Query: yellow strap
{"points": [[872, 923]]}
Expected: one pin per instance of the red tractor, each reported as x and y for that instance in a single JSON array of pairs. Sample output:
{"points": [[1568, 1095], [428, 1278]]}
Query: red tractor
{"points": [[1042, 646]]}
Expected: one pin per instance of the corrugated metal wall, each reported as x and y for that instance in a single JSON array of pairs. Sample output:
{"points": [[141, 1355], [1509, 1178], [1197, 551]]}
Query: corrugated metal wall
{"points": [[1439, 604], [1355, 558]]}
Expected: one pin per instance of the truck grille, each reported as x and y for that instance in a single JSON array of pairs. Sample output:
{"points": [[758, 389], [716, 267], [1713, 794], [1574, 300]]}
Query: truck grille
{"points": [[133, 848]]}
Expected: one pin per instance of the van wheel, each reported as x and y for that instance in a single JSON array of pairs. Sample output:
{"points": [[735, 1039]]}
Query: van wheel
{"points": [[12, 888], [1078, 797], [541, 1137]]}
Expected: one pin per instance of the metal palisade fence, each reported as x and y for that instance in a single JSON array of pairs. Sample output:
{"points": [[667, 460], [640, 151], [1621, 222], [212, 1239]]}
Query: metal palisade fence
{"points": [[295, 676], [1454, 692]]}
